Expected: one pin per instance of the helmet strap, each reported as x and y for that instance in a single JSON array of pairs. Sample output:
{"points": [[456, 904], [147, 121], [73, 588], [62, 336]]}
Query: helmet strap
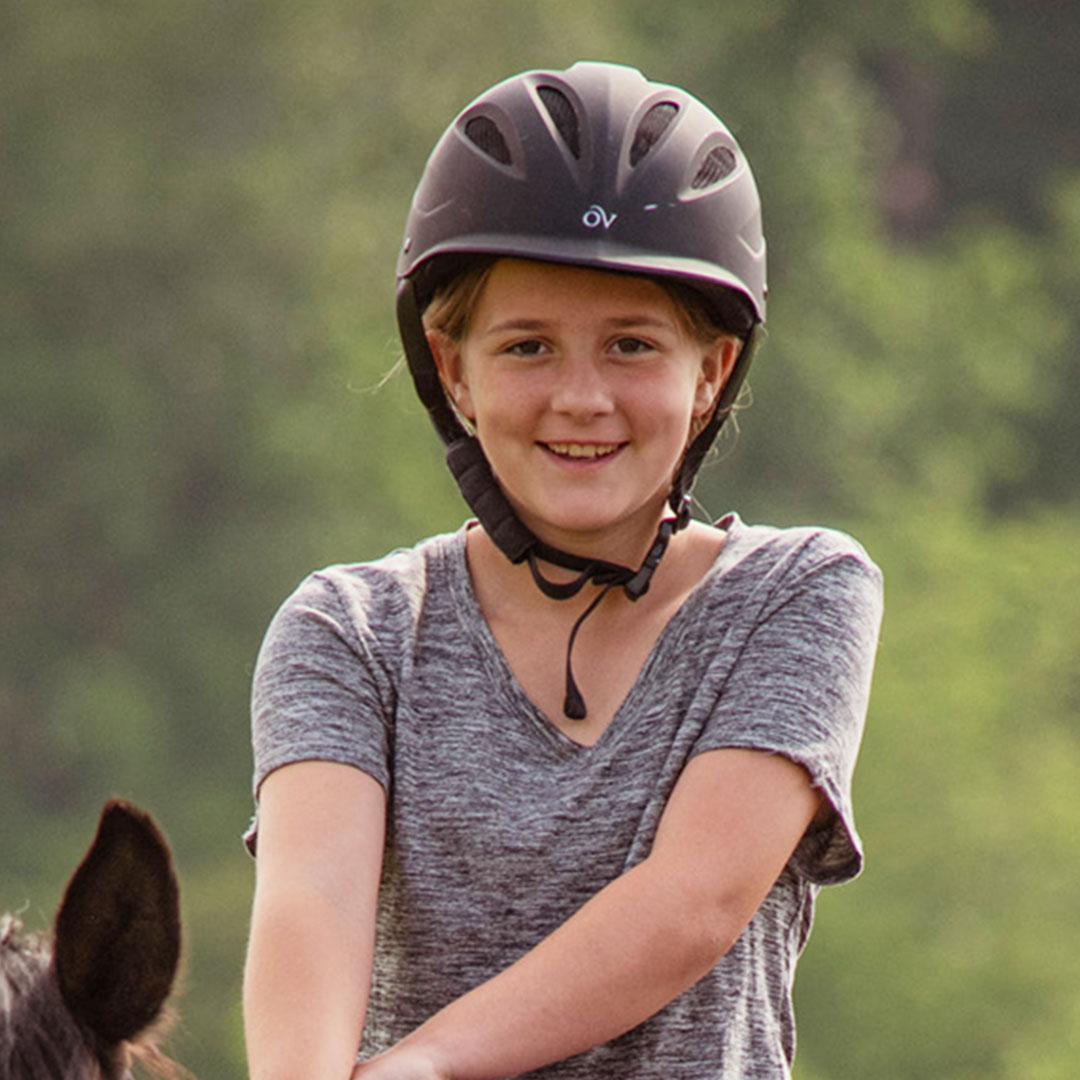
{"points": [[518, 543]]}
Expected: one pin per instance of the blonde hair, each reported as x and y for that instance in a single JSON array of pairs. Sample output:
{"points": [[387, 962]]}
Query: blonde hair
{"points": [[454, 301]]}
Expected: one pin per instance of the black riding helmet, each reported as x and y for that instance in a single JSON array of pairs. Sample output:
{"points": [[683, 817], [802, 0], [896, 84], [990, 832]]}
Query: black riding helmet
{"points": [[597, 167]]}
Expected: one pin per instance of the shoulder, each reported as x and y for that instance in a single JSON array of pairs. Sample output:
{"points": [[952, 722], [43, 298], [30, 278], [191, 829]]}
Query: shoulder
{"points": [[806, 543], [385, 594], [763, 568], [791, 552]]}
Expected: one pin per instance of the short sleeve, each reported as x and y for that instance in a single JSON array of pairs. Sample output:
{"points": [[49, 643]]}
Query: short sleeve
{"points": [[322, 690], [800, 688]]}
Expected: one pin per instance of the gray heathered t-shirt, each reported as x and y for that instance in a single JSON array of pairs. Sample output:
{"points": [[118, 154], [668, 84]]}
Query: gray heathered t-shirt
{"points": [[500, 826]]}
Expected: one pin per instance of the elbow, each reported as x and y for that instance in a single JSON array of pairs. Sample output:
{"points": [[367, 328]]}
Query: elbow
{"points": [[701, 923], [696, 940], [713, 927], [715, 904]]}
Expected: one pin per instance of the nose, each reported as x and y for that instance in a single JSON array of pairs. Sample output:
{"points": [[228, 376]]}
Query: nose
{"points": [[581, 389]]}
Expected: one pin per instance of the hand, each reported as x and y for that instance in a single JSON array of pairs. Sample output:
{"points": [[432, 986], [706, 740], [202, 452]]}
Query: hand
{"points": [[401, 1062]]}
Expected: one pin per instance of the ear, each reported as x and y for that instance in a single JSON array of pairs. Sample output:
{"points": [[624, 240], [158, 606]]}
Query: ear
{"points": [[717, 364], [117, 935], [451, 367]]}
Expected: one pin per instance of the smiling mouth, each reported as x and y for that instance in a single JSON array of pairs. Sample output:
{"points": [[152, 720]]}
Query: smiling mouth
{"points": [[582, 451]]}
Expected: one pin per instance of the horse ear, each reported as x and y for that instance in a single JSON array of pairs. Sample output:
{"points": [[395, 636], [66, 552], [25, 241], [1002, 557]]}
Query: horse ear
{"points": [[116, 943]]}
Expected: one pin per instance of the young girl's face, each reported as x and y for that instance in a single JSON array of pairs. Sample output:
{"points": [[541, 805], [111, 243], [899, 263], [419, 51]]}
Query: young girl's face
{"points": [[582, 387]]}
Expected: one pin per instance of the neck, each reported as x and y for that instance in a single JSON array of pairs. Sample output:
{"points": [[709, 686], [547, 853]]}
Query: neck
{"points": [[560, 575], [626, 544]]}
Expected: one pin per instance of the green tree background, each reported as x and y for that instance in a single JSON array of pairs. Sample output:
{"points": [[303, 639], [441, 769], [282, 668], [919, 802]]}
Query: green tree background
{"points": [[202, 205]]}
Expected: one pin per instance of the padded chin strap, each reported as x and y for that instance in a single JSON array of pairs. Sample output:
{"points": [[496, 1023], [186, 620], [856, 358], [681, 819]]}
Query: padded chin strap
{"points": [[478, 485]]}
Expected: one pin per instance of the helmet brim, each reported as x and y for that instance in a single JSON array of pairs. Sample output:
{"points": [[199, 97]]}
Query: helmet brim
{"points": [[716, 284]]}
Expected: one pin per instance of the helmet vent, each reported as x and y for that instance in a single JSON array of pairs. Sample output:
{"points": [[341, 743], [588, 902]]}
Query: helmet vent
{"points": [[563, 116], [719, 162], [653, 124], [484, 133]]}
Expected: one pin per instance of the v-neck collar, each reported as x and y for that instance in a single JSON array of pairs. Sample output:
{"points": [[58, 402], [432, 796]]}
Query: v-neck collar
{"points": [[506, 684]]}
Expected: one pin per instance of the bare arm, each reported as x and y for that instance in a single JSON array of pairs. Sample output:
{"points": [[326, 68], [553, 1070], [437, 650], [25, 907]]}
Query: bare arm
{"points": [[733, 820], [309, 961]]}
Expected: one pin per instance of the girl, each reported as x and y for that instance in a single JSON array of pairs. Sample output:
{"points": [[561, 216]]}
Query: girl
{"points": [[556, 792]]}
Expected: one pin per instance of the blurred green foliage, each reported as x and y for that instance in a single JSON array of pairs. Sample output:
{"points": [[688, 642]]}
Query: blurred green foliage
{"points": [[202, 205]]}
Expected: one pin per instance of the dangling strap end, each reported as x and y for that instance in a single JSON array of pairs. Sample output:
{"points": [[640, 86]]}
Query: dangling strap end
{"points": [[573, 703]]}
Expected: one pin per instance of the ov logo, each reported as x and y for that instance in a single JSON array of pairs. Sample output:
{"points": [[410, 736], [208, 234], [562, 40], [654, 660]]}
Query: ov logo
{"points": [[596, 216]]}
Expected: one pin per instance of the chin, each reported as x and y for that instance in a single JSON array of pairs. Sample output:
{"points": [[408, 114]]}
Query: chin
{"points": [[587, 526]]}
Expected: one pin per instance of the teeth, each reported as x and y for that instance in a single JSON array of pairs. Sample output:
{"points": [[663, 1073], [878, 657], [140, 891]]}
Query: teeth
{"points": [[583, 450]]}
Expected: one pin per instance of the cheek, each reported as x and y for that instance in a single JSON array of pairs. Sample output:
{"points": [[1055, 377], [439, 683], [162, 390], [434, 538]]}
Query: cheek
{"points": [[684, 411], [677, 401], [505, 400]]}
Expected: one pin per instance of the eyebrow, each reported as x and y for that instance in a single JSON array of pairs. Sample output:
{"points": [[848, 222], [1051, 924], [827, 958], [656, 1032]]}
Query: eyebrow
{"points": [[516, 324], [624, 322]]}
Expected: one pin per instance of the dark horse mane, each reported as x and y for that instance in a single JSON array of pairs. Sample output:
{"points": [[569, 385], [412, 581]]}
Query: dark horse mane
{"points": [[79, 1005]]}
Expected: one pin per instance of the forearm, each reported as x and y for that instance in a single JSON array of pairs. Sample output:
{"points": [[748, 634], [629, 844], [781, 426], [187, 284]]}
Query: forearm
{"points": [[313, 921], [634, 947], [727, 832], [305, 990]]}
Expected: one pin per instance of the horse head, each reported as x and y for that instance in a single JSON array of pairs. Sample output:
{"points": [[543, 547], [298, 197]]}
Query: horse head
{"points": [[77, 1006]]}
